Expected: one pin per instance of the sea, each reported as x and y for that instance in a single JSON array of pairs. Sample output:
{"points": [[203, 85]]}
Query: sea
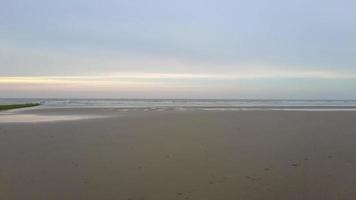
{"points": [[191, 104]]}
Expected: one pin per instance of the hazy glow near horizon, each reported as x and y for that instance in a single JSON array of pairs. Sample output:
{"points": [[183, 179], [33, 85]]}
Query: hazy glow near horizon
{"points": [[178, 49], [119, 77]]}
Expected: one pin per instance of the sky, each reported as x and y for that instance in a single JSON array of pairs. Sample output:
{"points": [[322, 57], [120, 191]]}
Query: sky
{"points": [[291, 49]]}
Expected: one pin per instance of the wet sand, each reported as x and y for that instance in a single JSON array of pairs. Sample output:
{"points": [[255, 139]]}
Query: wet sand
{"points": [[199, 155]]}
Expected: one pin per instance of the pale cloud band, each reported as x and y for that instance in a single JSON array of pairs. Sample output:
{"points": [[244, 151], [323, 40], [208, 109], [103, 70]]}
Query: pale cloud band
{"points": [[133, 78], [282, 84]]}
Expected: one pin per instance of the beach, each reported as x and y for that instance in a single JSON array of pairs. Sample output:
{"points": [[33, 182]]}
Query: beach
{"points": [[193, 154]]}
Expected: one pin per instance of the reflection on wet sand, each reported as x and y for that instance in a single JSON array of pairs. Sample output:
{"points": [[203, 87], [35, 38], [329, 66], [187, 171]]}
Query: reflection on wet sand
{"points": [[33, 118]]}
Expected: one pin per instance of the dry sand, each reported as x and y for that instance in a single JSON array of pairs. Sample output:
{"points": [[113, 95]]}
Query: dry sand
{"points": [[198, 155]]}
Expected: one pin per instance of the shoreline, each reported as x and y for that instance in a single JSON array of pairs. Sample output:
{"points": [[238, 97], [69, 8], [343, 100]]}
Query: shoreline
{"points": [[45, 114]]}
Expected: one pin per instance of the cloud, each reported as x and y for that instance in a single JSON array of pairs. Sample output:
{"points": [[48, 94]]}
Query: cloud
{"points": [[134, 78]]}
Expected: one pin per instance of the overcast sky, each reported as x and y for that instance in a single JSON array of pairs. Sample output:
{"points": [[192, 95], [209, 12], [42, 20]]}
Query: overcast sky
{"points": [[178, 48]]}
